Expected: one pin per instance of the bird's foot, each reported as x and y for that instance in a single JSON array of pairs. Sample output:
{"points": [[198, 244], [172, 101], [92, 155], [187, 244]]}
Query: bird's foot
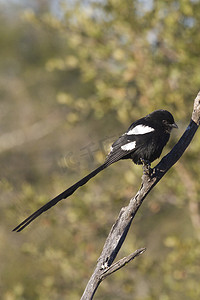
{"points": [[146, 166]]}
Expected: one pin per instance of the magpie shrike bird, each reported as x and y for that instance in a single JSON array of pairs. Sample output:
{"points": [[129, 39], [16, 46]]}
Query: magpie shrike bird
{"points": [[143, 142]]}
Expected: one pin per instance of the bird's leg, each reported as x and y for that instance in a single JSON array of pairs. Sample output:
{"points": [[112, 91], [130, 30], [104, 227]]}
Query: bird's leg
{"points": [[146, 166]]}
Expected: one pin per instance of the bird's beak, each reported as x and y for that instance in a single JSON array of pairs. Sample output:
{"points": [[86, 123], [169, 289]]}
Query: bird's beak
{"points": [[174, 125]]}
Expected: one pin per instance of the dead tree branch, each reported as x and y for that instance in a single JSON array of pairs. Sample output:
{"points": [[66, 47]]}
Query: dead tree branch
{"points": [[120, 228]]}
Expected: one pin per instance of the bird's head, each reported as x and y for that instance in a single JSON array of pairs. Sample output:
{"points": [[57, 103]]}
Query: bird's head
{"points": [[166, 118]]}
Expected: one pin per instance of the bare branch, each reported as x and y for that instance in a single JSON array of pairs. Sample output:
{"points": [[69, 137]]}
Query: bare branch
{"points": [[121, 263], [196, 110], [120, 228]]}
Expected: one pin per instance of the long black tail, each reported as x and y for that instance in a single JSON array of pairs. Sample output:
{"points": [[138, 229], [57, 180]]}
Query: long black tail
{"points": [[58, 198]]}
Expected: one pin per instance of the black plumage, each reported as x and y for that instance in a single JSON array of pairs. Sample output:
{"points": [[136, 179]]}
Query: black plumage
{"points": [[143, 143]]}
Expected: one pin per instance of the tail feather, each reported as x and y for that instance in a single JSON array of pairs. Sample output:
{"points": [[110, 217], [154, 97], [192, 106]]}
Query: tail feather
{"points": [[58, 198]]}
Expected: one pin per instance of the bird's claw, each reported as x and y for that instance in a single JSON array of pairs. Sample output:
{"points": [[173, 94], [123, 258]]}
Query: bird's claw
{"points": [[146, 166]]}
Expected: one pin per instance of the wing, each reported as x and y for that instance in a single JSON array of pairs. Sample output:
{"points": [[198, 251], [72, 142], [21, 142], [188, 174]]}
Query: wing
{"points": [[121, 148], [135, 140]]}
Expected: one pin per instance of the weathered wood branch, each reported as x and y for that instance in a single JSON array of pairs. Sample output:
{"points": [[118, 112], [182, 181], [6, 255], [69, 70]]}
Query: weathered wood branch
{"points": [[120, 228], [121, 263]]}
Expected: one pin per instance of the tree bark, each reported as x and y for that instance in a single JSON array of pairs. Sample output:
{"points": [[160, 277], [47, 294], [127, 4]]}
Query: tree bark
{"points": [[121, 226]]}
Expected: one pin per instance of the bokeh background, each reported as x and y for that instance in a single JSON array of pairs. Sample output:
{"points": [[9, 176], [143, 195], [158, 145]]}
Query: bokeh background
{"points": [[73, 76]]}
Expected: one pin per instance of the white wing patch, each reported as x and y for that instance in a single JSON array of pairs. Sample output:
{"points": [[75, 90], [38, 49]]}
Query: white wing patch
{"points": [[129, 146], [140, 129]]}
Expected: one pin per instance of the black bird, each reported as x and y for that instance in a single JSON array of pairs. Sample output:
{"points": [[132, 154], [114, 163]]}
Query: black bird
{"points": [[143, 143]]}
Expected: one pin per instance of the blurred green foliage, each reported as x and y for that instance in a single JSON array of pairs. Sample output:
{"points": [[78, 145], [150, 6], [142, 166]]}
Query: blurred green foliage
{"points": [[74, 75]]}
